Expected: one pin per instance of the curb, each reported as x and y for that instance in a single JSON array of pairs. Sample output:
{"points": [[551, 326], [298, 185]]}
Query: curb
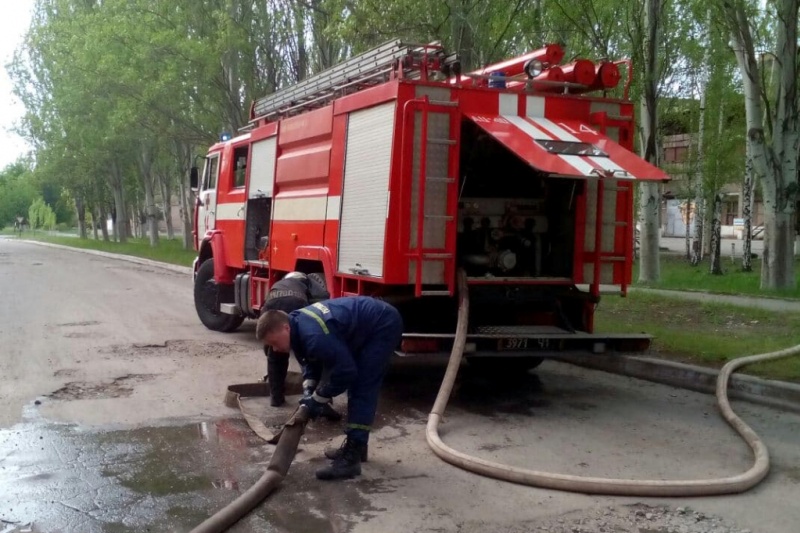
{"points": [[780, 394], [119, 257]]}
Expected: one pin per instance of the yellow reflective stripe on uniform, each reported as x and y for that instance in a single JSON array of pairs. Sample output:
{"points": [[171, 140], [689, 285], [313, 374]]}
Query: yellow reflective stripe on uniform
{"points": [[316, 317], [359, 426]]}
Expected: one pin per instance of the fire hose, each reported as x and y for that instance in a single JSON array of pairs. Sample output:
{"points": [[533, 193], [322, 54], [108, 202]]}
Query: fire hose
{"points": [[276, 471], [288, 440], [597, 485]]}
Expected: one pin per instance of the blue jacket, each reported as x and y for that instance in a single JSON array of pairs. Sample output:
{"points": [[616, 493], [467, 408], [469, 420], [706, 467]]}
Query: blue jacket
{"points": [[331, 334]]}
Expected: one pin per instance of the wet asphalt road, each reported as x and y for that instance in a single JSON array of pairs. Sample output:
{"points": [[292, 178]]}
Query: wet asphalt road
{"points": [[130, 432]]}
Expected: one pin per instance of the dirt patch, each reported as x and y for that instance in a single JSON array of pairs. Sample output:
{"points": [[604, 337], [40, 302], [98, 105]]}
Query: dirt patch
{"points": [[178, 347], [636, 518], [132, 268], [64, 373], [78, 324], [120, 387]]}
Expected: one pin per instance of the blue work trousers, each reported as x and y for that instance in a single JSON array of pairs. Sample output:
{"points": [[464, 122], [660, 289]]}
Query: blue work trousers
{"points": [[372, 362]]}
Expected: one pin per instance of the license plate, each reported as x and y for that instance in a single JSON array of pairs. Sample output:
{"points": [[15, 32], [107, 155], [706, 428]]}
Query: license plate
{"points": [[523, 344], [513, 344]]}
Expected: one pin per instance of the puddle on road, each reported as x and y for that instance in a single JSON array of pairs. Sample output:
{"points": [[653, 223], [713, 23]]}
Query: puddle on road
{"points": [[67, 479], [61, 478]]}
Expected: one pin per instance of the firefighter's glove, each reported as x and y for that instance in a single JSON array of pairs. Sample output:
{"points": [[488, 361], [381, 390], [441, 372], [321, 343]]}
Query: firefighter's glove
{"points": [[315, 405]]}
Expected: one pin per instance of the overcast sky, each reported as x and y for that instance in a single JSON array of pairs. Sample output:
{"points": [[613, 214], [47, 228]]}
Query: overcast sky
{"points": [[14, 22]]}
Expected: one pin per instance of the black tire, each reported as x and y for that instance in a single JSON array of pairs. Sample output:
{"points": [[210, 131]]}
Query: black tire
{"points": [[504, 366], [317, 281], [207, 297]]}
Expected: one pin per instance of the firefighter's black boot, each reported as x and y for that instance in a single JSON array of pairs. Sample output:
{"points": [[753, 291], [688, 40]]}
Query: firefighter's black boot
{"points": [[277, 368], [348, 463], [334, 453]]}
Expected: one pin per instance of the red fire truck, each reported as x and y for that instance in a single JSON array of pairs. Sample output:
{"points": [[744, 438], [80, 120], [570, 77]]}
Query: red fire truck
{"points": [[386, 174]]}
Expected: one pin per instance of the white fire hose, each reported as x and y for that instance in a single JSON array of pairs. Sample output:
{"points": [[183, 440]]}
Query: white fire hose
{"points": [[596, 485]]}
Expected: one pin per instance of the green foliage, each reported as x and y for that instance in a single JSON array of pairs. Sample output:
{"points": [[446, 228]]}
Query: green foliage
{"points": [[17, 192], [41, 215], [122, 93]]}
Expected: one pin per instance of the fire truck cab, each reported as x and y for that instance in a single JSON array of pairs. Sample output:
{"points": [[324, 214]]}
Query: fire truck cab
{"points": [[388, 173]]}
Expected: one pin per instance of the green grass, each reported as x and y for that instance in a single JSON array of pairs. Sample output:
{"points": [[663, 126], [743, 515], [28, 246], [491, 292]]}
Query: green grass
{"points": [[708, 334], [678, 274], [167, 251]]}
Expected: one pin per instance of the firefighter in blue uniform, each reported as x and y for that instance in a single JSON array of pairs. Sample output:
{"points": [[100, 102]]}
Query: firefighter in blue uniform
{"points": [[294, 291], [351, 340]]}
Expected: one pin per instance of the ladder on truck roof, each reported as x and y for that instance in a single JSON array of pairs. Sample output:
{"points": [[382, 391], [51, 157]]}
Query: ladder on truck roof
{"points": [[373, 67]]}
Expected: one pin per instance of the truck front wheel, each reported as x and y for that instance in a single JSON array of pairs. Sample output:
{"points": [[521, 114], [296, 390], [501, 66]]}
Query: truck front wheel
{"points": [[208, 294]]}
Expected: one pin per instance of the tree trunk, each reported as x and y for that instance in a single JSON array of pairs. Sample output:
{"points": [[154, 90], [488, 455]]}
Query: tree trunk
{"points": [[716, 237], [120, 230], [80, 207], [649, 201], [462, 33], [187, 197], [103, 222], [114, 223], [150, 211], [701, 229], [94, 223], [747, 214], [777, 267], [141, 220], [166, 202], [649, 266], [687, 229]]}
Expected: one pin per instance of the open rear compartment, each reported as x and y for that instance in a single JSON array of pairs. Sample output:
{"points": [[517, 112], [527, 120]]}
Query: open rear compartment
{"points": [[516, 240]]}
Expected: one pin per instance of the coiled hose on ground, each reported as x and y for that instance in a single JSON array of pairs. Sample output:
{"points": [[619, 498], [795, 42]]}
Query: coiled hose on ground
{"points": [[290, 438], [595, 485]]}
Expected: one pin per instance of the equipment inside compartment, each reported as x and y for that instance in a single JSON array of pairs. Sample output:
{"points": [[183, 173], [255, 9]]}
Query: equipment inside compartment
{"points": [[513, 221]]}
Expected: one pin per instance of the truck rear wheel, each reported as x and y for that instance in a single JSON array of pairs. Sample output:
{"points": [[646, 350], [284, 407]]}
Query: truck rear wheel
{"points": [[208, 294]]}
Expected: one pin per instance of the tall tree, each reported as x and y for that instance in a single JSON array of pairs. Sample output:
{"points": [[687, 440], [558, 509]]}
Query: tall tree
{"points": [[773, 154], [649, 197]]}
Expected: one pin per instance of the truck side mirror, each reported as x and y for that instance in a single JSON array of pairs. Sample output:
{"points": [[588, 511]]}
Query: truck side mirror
{"points": [[194, 179]]}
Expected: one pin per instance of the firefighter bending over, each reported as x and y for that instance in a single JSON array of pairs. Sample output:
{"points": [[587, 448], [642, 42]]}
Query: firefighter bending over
{"points": [[352, 339], [294, 291]]}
